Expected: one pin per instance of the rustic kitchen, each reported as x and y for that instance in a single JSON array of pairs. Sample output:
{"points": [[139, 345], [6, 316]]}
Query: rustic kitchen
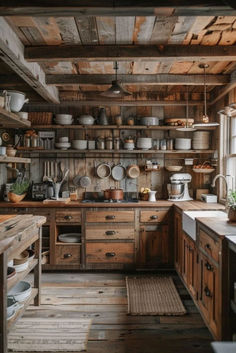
{"points": [[118, 176]]}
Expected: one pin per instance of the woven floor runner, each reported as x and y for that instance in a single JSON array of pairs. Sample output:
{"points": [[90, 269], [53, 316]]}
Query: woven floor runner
{"points": [[153, 296], [49, 335]]}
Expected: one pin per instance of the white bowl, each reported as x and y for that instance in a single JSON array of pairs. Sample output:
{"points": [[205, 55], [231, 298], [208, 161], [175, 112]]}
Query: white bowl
{"points": [[174, 168], [62, 144], [21, 267], [182, 144], [86, 119], [79, 144], [67, 117], [70, 238], [21, 291], [144, 143], [17, 100], [129, 146], [63, 139]]}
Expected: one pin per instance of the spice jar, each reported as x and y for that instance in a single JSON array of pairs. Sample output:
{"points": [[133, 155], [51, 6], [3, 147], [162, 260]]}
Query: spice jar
{"points": [[27, 140], [170, 144], [109, 143], [163, 145], [34, 141], [100, 143], [116, 143], [130, 120], [118, 120]]}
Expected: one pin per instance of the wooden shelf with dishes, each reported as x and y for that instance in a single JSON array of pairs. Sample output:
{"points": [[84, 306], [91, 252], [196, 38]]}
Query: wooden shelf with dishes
{"points": [[6, 159], [115, 127], [92, 152], [9, 120]]}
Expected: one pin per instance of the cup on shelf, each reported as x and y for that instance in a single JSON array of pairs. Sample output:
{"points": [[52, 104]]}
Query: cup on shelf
{"points": [[2, 150]]}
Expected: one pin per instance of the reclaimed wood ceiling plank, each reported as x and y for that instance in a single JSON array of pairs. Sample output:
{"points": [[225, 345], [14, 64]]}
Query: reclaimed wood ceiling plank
{"points": [[49, 30], [163, 28], [87, 27], [59, 68], [180, 67], [228, 37], [124, 29], [68, 30], [211, 38], [106, 30], [197, 28], [182, 27], [143, 29]]}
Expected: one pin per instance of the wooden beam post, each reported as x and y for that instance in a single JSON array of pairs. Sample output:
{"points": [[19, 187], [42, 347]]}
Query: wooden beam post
{"points": [[12, 53], [231, 85], [157, 79]]}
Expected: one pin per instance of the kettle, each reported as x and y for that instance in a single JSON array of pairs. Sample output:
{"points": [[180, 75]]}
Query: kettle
{"points": [[102, 118]]}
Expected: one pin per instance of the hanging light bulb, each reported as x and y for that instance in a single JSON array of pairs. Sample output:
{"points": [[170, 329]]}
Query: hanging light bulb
{"points": [[205, 117], [116, 90], [186, 127]]}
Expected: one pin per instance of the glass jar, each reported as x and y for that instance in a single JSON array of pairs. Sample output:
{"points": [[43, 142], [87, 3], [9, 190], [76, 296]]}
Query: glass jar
{"points": [[163, 145], [109, 143], [101, 143], [116, 143], [170, 144]]}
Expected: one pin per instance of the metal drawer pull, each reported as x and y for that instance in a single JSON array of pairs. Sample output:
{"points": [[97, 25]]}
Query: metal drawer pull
{"points": [[68, 217], [110, 232], [66, 256], [208, 266], [110, 254], [154, 217], [110, 217], [207, 292]]}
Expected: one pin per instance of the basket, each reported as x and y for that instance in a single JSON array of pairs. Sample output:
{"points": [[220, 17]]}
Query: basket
{"points": [[143, 197], [204, 170], [41, 118]]}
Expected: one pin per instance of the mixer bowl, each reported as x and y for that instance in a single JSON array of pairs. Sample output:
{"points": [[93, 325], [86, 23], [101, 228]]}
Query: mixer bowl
{"points": [[175, 189]]}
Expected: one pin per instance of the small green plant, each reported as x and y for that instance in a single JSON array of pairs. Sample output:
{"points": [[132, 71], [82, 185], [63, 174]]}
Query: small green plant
{"points": [[232, 199], [20, 188]]}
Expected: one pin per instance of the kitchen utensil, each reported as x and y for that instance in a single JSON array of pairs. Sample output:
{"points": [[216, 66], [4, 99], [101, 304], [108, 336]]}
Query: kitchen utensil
{"points": [[174, 168], [79, 144], [175, 189], [60, 174], [149, 121], [76, 180], [86, 119], [133, 171], [21, 267], [21, 291], [182, 144], [84, 181], [109, 143], [129, 146], [118, 172], [106, 194], [57, 187], [102, 118], [63, 119], [70, 238], [116, 194], [144, 143], [100, 143], [103, 170], [152, 196], [17, 100], [45, 178]]}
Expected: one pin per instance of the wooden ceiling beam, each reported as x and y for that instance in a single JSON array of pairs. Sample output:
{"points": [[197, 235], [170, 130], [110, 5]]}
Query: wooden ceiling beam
{"points": [[173, 53], [116, 8], [222, 92], [156, 79], [12, 53]]}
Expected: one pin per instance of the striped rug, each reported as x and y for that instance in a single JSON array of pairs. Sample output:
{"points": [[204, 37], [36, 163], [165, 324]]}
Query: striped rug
{"points": [[153, 296]]}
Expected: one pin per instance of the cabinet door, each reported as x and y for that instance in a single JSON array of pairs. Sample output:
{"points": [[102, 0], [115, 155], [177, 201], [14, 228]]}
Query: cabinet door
{"points": [[209, 296], [154, 246], [185, 257], [177, 232], [192, 268]]}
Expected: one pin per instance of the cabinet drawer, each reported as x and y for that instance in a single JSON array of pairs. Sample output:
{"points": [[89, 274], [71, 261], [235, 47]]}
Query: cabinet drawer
{"points": [[110, 231], [68, 216], [110, 253], [209, 245], [68, 254], [109, 216], [153, 216]]}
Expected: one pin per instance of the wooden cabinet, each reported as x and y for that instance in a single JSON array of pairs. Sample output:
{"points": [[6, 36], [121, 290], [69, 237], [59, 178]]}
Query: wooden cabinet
{"points": [[209, 294], [109, 216], [154, 216], [189, 264], [178, 241], [68, 254], [154, 246], [68, 216], [110, 231], [110, 253]]}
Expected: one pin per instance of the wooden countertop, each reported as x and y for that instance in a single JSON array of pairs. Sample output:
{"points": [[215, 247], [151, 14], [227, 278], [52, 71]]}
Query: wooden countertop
{"points": [[220, 226], [12, 226], [182, 205]]}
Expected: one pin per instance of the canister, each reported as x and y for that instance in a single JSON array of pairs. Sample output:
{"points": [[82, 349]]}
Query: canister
{"points": [[109, 143]]}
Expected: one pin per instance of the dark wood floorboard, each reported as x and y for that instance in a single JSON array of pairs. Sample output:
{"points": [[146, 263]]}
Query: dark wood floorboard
{"points": [[102, 297]]}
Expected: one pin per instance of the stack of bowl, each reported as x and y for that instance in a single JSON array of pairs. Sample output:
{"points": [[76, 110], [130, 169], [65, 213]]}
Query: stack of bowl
{"points": [[21, 261], [63, 119], [201, 140], [79, 144], [63, 143]]}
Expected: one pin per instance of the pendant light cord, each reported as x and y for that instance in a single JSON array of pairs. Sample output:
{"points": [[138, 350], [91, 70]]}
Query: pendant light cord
{"points": [[187, 109], [115, 68], [205, 100]]}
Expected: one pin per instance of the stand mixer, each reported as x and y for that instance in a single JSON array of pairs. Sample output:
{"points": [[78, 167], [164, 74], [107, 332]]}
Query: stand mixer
{"points": [[178, 189]]}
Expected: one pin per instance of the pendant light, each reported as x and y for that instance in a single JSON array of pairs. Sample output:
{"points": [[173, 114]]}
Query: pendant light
{"points": [[186, 127], [205, 118], [116, 90]]}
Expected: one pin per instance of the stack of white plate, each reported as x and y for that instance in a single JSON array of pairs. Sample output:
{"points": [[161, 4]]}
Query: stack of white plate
{"points": [[182, 144], [63, 119], [201, 140]]}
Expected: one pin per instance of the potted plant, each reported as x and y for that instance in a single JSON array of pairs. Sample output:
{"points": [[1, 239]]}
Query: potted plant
{"points": [[18, 191], [232, 206]]}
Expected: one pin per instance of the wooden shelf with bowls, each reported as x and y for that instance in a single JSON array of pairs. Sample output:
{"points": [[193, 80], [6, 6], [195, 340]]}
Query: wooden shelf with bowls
{"points": [[21, 275], [12, 121]]}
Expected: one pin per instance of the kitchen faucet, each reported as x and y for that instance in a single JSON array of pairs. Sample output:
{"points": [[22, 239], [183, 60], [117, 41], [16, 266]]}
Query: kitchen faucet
{"points": [[226, 184]]}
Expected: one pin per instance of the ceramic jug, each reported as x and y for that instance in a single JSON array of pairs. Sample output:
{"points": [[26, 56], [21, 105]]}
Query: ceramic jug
{"points": [[102, 118], [152, 196]]}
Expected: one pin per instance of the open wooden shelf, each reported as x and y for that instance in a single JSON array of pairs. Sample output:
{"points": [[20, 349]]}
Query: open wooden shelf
{"points": [[88, 152], [21, 275], [12, 120], [115, 127], [6, 159], [21, 311]]}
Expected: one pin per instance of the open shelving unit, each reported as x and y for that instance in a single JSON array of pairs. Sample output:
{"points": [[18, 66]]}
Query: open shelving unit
{"points": [[6, 159], [12, 120]]}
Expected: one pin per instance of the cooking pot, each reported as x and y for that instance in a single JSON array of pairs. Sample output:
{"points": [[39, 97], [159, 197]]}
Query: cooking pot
{"points": [[17, 100], [113, 194], [144, 143], [149, 120], [86, 119]]}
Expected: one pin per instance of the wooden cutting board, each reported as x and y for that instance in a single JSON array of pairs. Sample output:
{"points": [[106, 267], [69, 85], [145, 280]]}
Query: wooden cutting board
{"points": [[57, 202]]}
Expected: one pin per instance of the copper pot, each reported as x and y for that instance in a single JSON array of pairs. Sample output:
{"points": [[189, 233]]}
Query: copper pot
{"points": [[113, 194]]}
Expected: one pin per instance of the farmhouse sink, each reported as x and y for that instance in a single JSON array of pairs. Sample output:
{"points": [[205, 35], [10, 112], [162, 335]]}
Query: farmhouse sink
{"points": [[189, 220]]}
